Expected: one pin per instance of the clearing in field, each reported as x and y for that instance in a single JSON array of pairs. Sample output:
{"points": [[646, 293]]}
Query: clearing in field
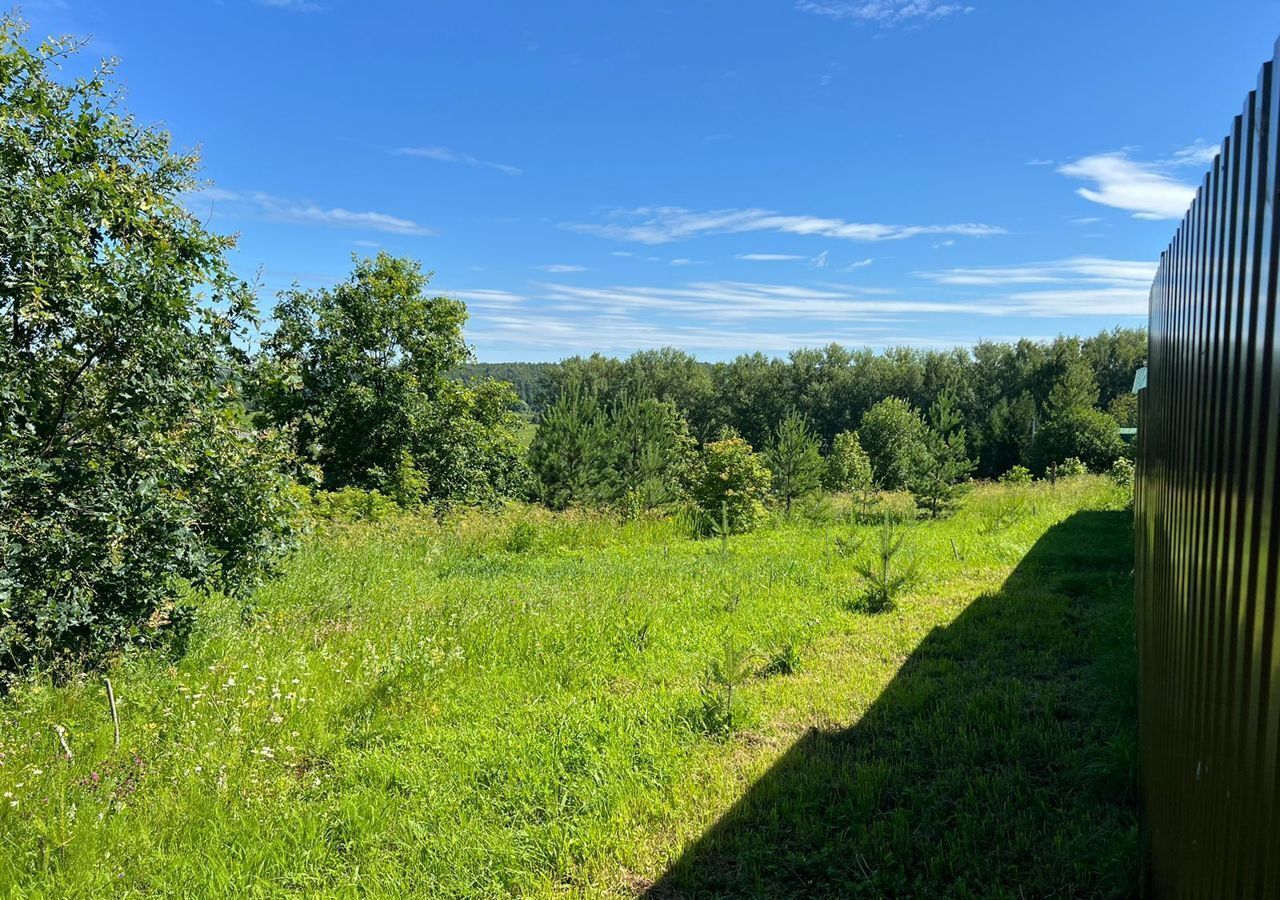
{"points": [[541, 704]]}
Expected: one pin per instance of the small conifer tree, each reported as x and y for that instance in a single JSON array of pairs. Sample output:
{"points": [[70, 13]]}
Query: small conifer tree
{"points": [[941, 464], [794, 460], [570, 453]]}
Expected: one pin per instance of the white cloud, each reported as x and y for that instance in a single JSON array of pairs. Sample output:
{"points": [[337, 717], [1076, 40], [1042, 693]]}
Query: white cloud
{"points": [[859, 264], [1138, 187], [486, 298], [1198, 153], [737, 316], [292, 5], [663, 224], [444, 154], [682, 262], [1098, 270], [562, 268], [820, 261], [279, 209], [770, 257], [1082, 285], [882, 12]]}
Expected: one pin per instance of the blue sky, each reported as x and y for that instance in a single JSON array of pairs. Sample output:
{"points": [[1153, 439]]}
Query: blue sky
{"points": [[720, 176]]}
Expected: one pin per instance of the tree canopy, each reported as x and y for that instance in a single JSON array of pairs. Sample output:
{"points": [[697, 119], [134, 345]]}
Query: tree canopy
{"points": [[360, 371], [127, 462]]}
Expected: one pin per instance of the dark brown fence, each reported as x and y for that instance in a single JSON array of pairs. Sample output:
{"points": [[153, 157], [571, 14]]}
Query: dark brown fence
{"points": [[1207, 536]]}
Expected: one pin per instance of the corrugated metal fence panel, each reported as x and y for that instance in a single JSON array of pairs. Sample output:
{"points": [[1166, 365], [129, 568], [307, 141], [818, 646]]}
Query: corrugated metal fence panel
{"points": [[1207, 545]]}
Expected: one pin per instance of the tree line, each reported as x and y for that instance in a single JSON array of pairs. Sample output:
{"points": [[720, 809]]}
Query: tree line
{"points": [[1003, 393]]}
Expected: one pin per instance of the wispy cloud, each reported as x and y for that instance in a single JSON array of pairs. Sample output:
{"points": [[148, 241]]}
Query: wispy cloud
{"points": [[1082, 285], [883, 12], [1078, 268], [770, 257], [563, 268], [859, 264], [291, 5], [736, 316], [444, 154], [1148, 190], [664, 224], [279, 209], [1198, 153]]}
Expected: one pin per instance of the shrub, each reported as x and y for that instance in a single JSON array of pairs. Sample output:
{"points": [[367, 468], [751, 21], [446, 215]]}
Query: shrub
{"points": [[348, 505], [891, 433], [849, 468], [128, 466], [1122, 473], [1071, 467], [1086, 434], [730, 482], [1019, 475]]}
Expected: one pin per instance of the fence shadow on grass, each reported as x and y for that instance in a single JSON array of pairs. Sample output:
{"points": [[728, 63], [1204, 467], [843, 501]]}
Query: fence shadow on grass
{"points": [[997, 763]]}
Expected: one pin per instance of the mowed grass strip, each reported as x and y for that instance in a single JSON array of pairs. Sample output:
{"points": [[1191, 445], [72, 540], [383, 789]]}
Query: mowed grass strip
{"points": [[515, 704]]}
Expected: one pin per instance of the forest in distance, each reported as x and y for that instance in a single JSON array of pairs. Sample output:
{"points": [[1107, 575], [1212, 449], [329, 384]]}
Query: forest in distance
{"points": [[1002, 389]]}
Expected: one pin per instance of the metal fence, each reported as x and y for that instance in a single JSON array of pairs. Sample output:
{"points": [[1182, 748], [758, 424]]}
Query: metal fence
{"points": [[1205, 517]]}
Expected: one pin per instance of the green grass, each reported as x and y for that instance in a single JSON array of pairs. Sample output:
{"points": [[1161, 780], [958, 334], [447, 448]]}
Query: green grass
{"points": [[517, 705]]}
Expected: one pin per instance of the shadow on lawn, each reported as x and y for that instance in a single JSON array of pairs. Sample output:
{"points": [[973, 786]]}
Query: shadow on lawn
{"points": [[999, 762]]}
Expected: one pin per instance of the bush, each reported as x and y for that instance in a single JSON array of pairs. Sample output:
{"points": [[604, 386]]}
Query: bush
{"points": [[1071, 467], [128, 466], [848, 466], [891, 432], [1017, 475], [348, 505], [1122, 473], [729, 481], [1089, 435]]}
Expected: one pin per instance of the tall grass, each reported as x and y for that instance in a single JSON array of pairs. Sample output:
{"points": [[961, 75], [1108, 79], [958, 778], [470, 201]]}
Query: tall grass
{"points": [[496, 704]]}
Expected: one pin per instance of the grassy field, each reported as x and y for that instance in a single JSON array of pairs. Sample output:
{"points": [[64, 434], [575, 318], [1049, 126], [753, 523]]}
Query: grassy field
{"points": [[517, 705]]}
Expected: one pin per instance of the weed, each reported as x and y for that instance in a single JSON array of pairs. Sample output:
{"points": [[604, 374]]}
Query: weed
{"points": [[522, 537], [1000, 513], [785, 660]]}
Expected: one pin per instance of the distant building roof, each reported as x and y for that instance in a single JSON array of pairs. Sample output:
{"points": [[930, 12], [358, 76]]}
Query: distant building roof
{"points": [[1140, 379]]}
